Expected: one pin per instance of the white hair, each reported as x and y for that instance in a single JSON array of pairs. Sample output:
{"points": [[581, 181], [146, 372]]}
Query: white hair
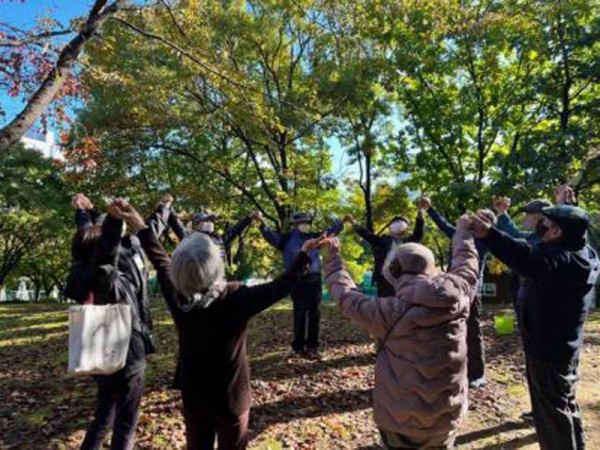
{"points": [[197, 271]]}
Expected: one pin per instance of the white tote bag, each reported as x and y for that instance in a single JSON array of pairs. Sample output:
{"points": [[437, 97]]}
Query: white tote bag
{"points": [[98, 338]]}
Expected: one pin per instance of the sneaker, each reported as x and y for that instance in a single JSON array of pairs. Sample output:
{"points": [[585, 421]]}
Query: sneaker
{"points": [[479, 382], [527, 416]]}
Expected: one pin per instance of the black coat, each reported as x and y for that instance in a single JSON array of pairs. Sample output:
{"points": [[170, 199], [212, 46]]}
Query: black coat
{"points": [[555, 293], [381, 246], [121, 277], [213, 365]]}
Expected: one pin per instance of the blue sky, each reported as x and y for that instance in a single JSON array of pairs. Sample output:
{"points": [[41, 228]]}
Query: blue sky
{"points": [[25, 15]]}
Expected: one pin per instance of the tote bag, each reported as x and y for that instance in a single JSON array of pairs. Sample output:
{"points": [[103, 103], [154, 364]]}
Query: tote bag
{"points": [[98, 338]]}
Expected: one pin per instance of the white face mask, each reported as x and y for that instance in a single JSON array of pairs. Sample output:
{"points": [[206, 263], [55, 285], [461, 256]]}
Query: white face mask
{"points": [[398, 227], [206, 227], [123, 229], [304, 227]]}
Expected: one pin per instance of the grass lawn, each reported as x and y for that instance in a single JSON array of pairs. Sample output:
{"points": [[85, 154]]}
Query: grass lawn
{"points": [[298, 404]]}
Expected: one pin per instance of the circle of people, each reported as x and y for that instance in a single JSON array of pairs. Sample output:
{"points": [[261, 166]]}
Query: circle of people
{"points": [[426, 321]]}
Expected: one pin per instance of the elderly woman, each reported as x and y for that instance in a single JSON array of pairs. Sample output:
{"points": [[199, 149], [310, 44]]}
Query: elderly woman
{"points": [[420, 394], [211, 317]]}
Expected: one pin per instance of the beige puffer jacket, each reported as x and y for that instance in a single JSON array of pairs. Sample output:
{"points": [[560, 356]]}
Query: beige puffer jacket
{"points": [[421, 371]]}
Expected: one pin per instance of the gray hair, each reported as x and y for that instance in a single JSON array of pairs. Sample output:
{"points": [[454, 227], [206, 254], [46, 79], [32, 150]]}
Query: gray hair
{"points": [[197, 271]]}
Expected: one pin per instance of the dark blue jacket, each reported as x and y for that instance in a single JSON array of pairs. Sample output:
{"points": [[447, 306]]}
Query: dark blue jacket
{"points": [[448, 229], [291, 243], [554, 295]]}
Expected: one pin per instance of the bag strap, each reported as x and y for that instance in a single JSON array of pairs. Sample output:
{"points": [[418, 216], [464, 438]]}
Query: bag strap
{"points": [[381, 342]]}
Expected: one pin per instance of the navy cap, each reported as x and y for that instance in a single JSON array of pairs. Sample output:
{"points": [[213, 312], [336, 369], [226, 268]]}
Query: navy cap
{"points": [[572, 220], [300, 217], [536, 206], [203, 217]]}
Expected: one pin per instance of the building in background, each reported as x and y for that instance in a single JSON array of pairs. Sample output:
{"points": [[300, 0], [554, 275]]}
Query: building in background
{"points": [[45, 144]]}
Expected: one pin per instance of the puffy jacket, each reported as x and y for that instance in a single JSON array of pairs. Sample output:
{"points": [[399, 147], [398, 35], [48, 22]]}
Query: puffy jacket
{"points": [[421, 369]]}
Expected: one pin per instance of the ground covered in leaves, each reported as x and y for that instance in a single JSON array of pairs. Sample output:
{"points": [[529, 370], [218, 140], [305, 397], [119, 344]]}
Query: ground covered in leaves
{"points": [[298, 404]]}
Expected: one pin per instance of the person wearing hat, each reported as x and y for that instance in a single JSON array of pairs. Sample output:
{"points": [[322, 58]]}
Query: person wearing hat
{"points": [[306, 295], [382, 244], [533, 214], [421, 387], [475, 344], [204, 222], [558, 276]]}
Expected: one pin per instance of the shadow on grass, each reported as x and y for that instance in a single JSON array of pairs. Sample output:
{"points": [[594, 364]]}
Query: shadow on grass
{"points": [[293, 408], [492, 431]]}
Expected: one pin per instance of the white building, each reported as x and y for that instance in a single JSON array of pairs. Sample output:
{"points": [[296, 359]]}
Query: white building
{"points": [[46, 145]]}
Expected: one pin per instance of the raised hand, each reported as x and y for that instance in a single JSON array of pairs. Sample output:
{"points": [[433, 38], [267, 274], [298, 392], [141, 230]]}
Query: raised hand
{"points": [[424, 203], [332, 245], [121, 209], [481, 224], [167, 200], [564, 194], [501, 205], [465, 222], [80, 201], [313, 244]]}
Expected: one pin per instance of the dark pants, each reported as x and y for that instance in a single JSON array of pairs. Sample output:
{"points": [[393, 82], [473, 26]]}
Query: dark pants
{"points": [[396, 441], [201, 430], [556, 414], [307, 300], [118, 405], [475, 351]]}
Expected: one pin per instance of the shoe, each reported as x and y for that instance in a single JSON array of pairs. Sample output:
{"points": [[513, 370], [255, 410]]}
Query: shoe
{"points": [[479, 382], [312, 354], [527, 416], [294, 355]]}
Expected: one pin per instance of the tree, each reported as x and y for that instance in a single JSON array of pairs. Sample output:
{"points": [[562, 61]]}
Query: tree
{"points": [[33, 208], [53, 75]]}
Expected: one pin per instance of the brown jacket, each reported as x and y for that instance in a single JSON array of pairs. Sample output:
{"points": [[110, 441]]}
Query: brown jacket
{"points": [[421, 370]]}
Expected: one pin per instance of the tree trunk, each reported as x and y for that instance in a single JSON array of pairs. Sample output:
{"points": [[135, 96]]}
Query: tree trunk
{"points": [[368, 193], [37, 104]]}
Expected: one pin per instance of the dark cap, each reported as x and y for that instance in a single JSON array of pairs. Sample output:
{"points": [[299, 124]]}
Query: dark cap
{"points": [[300, 217], [572, 220], [536, 206], [203, 217]]}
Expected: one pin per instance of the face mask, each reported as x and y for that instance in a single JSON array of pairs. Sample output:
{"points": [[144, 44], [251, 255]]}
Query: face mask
{"points": [[123, 229], [398, 227], [304, 228], [206, 227], [541, 229]]}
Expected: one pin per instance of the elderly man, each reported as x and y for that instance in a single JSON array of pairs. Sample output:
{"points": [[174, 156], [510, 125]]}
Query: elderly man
{"points": [[554, 297], [307, 293]]}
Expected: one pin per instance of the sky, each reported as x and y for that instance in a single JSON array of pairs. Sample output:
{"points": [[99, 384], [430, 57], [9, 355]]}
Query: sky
{"points": [[26, 14]]}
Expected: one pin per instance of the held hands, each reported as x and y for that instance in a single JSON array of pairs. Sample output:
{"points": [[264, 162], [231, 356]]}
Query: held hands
{"points": [[501, 205], [564, 194], [424, 203], [121, 209], [332, 245], [167, 200], [481, 224], [80, 201], [313, 244]]}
